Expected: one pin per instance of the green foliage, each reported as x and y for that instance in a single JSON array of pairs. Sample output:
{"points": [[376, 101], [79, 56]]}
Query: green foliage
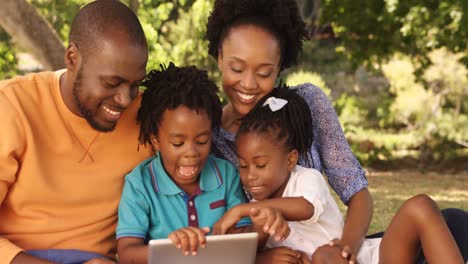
{"points": [[301, 77], [177, 38], [8, 60], [373, 30]]}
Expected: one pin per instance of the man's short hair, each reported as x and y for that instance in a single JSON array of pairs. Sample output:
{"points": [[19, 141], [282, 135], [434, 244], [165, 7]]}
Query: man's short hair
{"points": [[98, 19]]}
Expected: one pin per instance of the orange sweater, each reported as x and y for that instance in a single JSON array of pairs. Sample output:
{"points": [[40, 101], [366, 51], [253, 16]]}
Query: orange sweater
{"points": [[60, 180]]}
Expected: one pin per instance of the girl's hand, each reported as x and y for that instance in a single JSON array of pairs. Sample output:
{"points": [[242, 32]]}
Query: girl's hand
{"points": [[270, 221], [279, 255], [346, 251], [188, 239], [226, 222], [304, 258]]}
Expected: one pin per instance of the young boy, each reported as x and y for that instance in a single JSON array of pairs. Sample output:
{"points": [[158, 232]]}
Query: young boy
{"points": [[182, 191]]}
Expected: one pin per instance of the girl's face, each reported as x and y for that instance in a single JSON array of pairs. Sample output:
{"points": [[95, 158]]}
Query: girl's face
{"points": [[249, 61], [264, 164], [184, 142]]}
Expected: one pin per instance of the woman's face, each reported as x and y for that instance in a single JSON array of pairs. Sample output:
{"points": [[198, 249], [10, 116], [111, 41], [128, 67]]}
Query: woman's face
{"points": [[249, 61]]}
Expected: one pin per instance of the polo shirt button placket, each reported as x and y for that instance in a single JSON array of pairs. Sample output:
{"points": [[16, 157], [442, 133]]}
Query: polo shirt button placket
{"points": [[192, 213]]}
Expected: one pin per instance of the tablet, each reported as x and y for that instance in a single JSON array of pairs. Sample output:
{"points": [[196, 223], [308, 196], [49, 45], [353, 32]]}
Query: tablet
{"points": [[225, 249]]}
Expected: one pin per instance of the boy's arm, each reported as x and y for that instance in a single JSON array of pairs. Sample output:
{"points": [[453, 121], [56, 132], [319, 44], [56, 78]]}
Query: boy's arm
{"points": [[132, 250]]}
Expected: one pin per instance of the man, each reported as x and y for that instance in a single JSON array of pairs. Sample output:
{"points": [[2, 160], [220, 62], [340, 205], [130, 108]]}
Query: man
{"points": [[68, 139]]}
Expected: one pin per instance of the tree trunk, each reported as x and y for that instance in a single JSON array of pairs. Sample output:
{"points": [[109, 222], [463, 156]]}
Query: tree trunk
{"points": [[32, 32], [311, 10]]}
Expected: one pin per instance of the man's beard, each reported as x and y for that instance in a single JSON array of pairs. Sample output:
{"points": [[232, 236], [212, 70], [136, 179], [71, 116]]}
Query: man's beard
{"points": [[86, 113]]}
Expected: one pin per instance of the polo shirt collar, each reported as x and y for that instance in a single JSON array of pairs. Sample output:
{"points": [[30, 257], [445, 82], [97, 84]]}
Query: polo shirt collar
{"points": [[210, 178]]}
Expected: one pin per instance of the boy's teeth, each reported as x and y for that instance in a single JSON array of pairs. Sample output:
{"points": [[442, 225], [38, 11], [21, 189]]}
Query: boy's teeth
{"points": [[187, 170]]}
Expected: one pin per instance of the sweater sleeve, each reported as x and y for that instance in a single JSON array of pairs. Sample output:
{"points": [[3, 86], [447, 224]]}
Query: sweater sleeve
{"points": [[12, 144], [339, 164]]}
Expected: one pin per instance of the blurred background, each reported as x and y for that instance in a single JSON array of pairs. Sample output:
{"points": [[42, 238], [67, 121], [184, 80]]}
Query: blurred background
{"points": [[396, 72]]}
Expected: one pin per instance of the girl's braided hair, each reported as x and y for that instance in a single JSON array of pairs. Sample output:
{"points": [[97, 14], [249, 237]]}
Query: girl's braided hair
{"points": [[292, 124]]}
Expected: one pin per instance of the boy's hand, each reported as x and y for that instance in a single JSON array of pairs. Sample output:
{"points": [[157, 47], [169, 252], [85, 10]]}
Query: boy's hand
{"points": [[226, 222], [346, 251], [188, 239], [270, 221], [279, 255]]}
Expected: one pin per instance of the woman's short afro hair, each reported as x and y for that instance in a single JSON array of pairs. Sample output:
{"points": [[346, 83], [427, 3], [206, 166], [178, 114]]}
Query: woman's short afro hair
{"points": [[279, 17]]}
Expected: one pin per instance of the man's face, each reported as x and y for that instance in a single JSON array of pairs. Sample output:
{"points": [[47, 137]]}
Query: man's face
{"points": [[107, 81]]}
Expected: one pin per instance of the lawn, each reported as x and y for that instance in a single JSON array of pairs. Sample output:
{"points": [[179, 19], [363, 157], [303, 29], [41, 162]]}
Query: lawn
{"points": [[390, 189]]}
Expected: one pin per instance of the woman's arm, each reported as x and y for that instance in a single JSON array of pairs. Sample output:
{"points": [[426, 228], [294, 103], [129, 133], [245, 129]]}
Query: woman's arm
{"points": [[344, 173], [358, 217]]}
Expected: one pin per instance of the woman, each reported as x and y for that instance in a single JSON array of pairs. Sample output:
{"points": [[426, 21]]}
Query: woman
{"points": [[253, 41]]}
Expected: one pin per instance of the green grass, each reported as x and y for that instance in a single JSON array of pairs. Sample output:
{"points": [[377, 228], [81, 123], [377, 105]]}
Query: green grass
{"points": [[390, 189]]}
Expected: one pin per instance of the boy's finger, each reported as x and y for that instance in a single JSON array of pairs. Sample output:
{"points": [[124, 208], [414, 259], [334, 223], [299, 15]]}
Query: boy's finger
{"points": [[175, 239], [184, 241], [201, 237], [193, 235]]}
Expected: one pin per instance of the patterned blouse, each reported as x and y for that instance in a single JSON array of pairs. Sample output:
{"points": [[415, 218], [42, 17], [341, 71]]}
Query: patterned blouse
{"points": [[330, 152]]}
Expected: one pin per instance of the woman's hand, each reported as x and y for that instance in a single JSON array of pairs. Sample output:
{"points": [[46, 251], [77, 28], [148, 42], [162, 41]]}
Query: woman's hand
{"points": [[328, 254], [188, 239], [346, 251]]}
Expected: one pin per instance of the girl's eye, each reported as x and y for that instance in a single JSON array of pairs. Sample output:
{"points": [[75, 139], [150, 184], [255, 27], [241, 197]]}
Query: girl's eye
{"points": [[202, 142], [260, 166], [177, 144], [242, 166]]}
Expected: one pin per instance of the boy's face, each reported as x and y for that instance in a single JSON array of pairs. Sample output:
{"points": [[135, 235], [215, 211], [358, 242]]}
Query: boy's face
{"points": [[264, 164], [184, 142]]}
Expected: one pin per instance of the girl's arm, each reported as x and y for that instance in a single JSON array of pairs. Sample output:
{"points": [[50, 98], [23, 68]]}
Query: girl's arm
{"points": [[272, 212], [292, 208], [132, 250]]}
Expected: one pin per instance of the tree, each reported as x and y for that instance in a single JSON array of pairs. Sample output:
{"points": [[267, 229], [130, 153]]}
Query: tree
{"points": [[373, 30], [32, 32]]}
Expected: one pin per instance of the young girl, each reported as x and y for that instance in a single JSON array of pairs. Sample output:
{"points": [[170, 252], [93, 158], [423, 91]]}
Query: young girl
{"points": [[181, 191], [269, 142]]}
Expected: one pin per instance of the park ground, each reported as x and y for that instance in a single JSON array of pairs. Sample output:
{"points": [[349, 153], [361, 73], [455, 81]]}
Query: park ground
{"points": [[390, 188]]}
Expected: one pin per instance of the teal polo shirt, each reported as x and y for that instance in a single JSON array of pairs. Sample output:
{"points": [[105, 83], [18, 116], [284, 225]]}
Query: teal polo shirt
{"points": [[152, 205]]}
